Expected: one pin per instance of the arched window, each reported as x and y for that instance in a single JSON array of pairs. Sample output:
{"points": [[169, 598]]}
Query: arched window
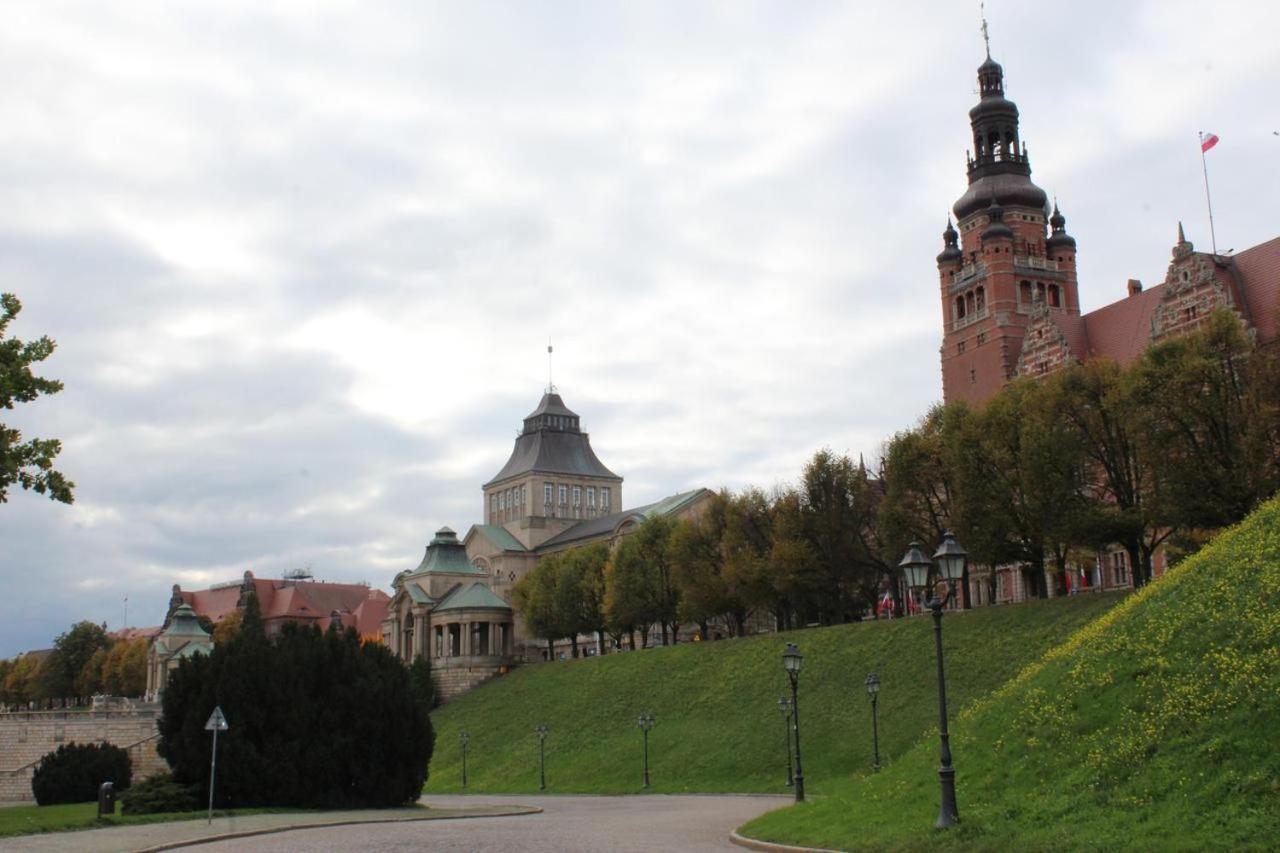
{"points": [[968, 302], [1024, 292], [959, 307], [981, 301], [1055, 296]]}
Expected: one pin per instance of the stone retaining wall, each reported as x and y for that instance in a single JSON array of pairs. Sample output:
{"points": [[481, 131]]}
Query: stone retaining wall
{"points": [[27, 736]]}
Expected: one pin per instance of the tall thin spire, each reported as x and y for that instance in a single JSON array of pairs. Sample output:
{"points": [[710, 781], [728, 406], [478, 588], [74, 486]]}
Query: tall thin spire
{"points": [[551, 387], [986, 36]]}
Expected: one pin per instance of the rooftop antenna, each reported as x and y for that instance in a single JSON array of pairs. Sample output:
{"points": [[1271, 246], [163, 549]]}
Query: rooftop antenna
{"points": [[551, 388], [986, 37]]}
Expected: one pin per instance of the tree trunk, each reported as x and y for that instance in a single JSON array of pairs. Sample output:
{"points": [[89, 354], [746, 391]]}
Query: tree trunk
{"points": [[964, 580], [1134, 549], [551, 650], [573, 646], [601, 647], [702, 630]]}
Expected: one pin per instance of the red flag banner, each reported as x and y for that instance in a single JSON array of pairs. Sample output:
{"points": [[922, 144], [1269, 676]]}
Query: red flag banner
{"points": [[1208, 141]]}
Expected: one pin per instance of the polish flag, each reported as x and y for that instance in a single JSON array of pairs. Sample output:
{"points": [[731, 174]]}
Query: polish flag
{"points": [[1208, 141]]}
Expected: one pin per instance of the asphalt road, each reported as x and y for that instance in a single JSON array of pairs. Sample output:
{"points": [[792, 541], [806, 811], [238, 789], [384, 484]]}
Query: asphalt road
{"points": [[638, 823]]}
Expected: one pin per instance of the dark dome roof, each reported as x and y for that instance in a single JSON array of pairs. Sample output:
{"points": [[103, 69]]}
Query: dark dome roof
{"points": [[1060, 240], [994, 105], [951, 253], [1010, 190], [996, 229], [991, 65]]}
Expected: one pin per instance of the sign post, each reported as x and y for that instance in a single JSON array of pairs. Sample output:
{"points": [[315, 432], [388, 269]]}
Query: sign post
{"points": [[217, 723]]}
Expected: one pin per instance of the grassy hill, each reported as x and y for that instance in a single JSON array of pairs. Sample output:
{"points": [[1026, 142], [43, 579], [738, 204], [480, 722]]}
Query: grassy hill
{"points": [[1156, 727], [718, 728]]}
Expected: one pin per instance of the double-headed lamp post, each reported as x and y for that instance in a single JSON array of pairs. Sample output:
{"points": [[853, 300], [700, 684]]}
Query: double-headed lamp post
{"points": [[464, 738], [541, 733], [873, 690], [646, 721], [791, 659], [950, 558], [784, 706]]}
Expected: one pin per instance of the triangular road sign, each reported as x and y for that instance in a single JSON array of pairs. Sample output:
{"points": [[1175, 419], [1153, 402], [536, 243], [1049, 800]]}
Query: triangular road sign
{"points": [[217, 721]]}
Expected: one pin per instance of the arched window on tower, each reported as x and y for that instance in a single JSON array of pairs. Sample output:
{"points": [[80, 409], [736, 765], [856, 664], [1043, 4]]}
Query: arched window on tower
{"points": [[968, 303], [1040, 291], [959, 308], [981, 301], [1024, 292], [1055, 296]]}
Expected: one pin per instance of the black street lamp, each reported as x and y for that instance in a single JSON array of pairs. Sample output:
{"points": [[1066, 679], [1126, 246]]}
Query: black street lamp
{"points": [[464, 738], [784, 705], [646, 721], [873, 690], [951, 559], [791, 659], [541, 732]]}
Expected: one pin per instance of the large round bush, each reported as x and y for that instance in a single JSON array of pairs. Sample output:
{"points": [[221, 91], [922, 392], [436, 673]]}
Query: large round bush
{"points": [[73, 772]]}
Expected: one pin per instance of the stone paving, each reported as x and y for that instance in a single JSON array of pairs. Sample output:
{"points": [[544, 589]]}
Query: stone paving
{"points": [[567, 824], [530, 824], [165, 836]]}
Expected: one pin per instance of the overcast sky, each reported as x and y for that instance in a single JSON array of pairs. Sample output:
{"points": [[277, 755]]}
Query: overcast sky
{"points": [[302, 262]]}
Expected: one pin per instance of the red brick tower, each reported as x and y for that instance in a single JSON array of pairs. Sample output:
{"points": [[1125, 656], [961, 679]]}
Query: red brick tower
{"points": [[1003, 264]]}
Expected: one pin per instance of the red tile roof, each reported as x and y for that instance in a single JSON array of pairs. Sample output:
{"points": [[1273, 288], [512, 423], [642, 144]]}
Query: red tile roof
{"points": [[1259, 269], [1122, 329], [1073, 330], [311, 602]]}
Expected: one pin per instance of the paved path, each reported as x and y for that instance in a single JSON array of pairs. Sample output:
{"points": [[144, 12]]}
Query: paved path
{"points": [[567, 824], [154, 835]]}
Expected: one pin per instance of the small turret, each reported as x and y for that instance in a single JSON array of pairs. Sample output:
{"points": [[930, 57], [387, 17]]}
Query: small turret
{"points": [[951, 248], [1058, 237], [996, 229]]}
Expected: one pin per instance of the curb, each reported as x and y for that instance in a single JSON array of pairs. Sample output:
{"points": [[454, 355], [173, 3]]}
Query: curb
{"points": [[770, 847], [515, 811]]}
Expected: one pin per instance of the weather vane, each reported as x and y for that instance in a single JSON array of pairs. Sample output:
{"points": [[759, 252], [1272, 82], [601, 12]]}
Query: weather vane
{"points": [[986, 37]]}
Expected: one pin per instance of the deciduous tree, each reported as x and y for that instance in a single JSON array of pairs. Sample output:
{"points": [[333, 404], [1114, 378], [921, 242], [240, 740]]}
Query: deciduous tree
{"points": [[28, 464]]}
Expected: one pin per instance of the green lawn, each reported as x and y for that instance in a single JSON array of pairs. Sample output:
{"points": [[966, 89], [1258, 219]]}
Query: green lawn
{"points": [[718, 728], [23, 820], [1155, 728]]}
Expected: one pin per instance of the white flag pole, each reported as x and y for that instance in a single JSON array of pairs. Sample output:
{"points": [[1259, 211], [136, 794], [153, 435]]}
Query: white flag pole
{"points": [[1205, 165]]}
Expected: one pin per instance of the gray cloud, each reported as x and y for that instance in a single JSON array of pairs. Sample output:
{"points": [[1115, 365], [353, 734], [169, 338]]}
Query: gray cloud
{"points": [[302, 263]]}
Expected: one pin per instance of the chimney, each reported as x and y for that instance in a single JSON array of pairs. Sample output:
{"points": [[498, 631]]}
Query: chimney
{"points": [[1135, 287]]}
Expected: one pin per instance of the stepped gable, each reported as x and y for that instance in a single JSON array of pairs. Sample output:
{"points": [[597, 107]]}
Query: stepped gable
{"points": [[552, 442], [1196, 283]]}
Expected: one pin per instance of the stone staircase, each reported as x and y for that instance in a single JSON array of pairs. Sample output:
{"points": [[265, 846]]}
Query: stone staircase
{"points": [[27, 736]]}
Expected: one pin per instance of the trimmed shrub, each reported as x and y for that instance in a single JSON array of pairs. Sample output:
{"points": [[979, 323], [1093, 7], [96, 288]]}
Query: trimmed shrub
{"points": [[316, 721], [73, 772], [160, 793]]}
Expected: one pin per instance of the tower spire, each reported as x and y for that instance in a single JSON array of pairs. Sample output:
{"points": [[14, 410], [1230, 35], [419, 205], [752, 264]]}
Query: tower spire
{"points": [[986, 36], [551, 387]]}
